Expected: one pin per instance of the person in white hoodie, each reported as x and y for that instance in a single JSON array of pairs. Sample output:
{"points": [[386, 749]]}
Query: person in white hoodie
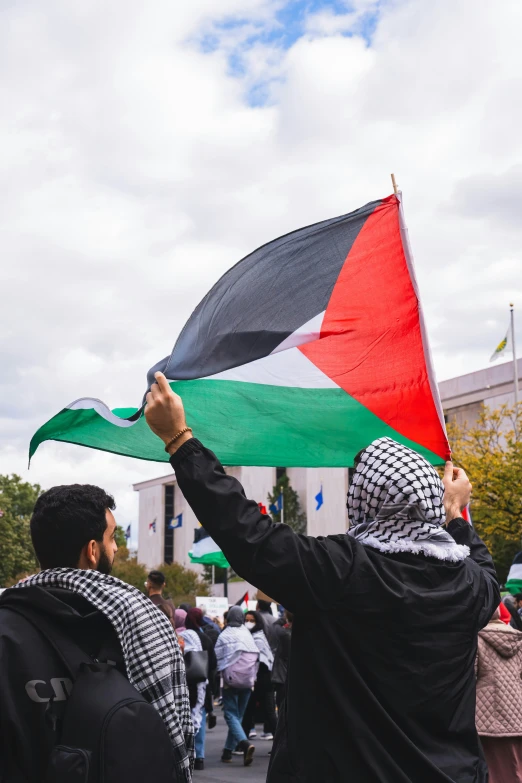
{"points": [[499, 699]]}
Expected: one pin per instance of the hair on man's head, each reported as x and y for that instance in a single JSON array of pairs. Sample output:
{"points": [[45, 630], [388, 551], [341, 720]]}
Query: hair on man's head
{"points": [[157, 578], [65, 519], [264, 606]]}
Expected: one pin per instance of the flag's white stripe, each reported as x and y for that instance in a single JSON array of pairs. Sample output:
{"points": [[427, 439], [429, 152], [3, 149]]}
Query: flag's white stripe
{"points": [[206, 546], [286, 368], [90, 403], [515, 572], [306, 333]]}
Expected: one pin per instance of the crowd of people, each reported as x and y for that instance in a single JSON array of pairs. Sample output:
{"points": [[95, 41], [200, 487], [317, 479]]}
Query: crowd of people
{"points": [[396, 660], [227, 648]]}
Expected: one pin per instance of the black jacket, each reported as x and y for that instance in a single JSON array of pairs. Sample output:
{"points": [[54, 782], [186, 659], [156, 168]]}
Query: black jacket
{"points": [[31, 672], [381, 685]]}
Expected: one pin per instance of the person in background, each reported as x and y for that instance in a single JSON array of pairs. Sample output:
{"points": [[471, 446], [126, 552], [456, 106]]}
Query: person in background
{"points": [[197, 692], [180, 617], [499, 699], [509, 602], [282, 658], [234, 646], [194, 622], [167, 610], [263, 693], [155, 585], [265, 610], [209, 627]]}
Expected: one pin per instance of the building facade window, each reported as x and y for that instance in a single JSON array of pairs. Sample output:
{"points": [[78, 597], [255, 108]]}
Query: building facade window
{"points": [[168, 547]]}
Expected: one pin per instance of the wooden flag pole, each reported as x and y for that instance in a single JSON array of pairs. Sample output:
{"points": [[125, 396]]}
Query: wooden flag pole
{"points": [[395, 188]]}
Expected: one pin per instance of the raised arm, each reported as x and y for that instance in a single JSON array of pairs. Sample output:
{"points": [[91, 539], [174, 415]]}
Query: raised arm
{"points": [[293, 569], [457, 493]]}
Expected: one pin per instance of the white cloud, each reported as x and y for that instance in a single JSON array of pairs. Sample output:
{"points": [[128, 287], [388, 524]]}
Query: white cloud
{"points": [[134, 172]]}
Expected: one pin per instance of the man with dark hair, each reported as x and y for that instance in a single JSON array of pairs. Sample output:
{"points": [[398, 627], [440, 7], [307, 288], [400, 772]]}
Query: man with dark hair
{"points": [[75, 598], [155, 585]]}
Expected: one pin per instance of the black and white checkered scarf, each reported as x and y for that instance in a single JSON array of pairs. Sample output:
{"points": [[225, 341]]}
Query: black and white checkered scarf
{"points": [[153, 659], [395, 503]]}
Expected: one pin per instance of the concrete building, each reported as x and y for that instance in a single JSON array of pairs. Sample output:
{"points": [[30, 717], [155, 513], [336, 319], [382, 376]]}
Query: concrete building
{"points": [[160, 500], [463, 397]]}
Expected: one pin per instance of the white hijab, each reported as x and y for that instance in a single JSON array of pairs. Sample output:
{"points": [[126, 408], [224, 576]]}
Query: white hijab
{"points": [[234, 640]]}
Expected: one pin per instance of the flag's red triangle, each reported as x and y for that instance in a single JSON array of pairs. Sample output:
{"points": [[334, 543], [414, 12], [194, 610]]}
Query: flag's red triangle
{"points": [[371, 338]]}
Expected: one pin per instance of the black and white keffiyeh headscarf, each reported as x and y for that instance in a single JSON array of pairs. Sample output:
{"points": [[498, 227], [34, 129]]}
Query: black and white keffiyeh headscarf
{"points": [[395, 503], [153, 659]]}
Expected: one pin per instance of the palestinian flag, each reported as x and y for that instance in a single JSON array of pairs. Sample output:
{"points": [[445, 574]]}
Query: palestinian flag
{"points": [[300, 355], [514, 580], [205, 550], [243, 603]]}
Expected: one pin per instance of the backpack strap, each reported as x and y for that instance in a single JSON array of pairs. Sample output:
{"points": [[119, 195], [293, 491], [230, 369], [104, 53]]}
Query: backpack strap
{"points": [[70, 653]]}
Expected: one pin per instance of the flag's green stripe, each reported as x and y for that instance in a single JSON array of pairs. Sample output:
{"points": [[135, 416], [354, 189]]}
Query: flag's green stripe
{"points": [[217, 559], [245, 424], [514, 586]]}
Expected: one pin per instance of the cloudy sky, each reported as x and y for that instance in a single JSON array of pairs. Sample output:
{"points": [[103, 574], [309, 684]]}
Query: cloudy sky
{"points": [[146, 147]]}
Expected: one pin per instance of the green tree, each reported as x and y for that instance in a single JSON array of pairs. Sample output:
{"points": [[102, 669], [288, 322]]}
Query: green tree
{"points": [[129, 570], [490, 451], [293, 515], [17, 557], [183, 584]]}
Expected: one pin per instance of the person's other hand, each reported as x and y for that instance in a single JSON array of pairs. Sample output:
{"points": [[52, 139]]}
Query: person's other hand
{"points": [[457, 491], [164, 413]]}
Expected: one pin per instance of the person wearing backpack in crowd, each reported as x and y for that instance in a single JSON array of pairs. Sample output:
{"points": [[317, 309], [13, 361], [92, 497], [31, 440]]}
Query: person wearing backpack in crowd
{"points": [[193, 623], [76, 644], [381, 682], [209, 627], [237, 659], [263, 693]]}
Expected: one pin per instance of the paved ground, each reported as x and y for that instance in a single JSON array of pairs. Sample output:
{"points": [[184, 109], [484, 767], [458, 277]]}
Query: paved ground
{"points": [[217, 772]]}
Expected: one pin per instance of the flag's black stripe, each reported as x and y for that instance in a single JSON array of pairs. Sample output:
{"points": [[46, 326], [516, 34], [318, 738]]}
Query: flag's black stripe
{"points": [[199, 534], [264, 298]]}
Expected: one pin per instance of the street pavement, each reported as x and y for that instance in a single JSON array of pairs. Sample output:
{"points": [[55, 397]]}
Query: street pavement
{"points": [[217, 772]]}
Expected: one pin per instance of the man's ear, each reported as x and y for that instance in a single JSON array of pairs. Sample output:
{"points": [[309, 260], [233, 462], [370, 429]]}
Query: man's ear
{"points": [[89, 556]]}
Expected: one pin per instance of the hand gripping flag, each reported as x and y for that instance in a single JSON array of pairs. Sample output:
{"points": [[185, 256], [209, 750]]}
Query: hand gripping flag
{"points": [[303, 353]]}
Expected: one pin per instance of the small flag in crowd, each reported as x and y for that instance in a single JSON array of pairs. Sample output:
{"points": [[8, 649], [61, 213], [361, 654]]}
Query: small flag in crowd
{"points": [[503, 346], [176, 522], [310, 370], [152, 528], [128, 533], [262, 508], [514, 580], [206, 551], [243, 603], [276, 507], [466, 514], [319, 499]]}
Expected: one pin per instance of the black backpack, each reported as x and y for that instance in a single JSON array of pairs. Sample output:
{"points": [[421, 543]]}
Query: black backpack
{"points": [[105, 732]]}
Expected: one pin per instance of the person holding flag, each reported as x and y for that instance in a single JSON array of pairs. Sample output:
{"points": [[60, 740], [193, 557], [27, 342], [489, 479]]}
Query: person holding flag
{"points": [[381, 680]]}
